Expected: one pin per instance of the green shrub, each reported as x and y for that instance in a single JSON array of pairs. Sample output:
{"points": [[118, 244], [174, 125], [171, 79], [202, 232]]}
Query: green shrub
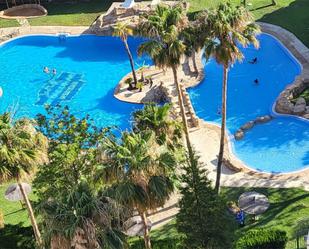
{"points": [[263, 239], [173, 243], [16, 237]]}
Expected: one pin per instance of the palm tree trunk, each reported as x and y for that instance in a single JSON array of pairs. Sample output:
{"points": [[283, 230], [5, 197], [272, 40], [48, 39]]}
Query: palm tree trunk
{"points": [[146, 230], [131, 62], [194, 62], [36, 231], [223, 124], [183, 113]]}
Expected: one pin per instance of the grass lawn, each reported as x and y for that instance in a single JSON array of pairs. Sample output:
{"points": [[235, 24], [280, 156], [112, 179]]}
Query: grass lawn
{"points": [[13, 211], [287, 207], [72, 14], [289, 14], [4, 23]]}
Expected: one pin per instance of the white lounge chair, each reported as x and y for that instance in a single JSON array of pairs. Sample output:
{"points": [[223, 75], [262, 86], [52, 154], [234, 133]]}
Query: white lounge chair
{"points": [[128, 4]]}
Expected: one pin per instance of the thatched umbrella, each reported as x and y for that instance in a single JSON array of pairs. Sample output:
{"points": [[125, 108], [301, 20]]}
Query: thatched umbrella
{"points": [[13, 192], [253, 203], [135, 227]]}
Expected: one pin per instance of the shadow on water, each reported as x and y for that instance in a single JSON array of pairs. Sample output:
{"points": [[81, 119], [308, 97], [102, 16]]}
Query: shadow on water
{"points": [[86, 48], [110, 104]]}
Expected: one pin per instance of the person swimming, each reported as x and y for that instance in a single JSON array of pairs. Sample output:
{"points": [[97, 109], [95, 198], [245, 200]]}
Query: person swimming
{"points": [[253, 61], [54, 71], [256, 81], [46, 70]]}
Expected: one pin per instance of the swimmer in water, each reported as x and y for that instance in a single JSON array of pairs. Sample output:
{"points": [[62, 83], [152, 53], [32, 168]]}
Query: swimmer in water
{"points": [[46, 70], [254, 60], [54, 71], [256, 81]]}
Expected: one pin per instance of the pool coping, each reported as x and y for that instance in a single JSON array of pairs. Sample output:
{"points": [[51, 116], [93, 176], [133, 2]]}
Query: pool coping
{"points": [[289, 40]]}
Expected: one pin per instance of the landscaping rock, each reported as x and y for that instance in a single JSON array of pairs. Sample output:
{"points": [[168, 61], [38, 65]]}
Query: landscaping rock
{"points": [[300, 101], [283, 105], [300, 106], [263, 119], [239, 134], [247, 125], [307, 110], [306, 116]]}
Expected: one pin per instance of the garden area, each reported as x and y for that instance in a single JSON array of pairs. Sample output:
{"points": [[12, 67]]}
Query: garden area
{"points": [[287, 210]]}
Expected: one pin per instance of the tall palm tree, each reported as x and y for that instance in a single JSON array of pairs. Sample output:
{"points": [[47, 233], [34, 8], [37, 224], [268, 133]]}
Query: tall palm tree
{"points": [[22, 148], [164, 46], [145, 174], [122, 30], [229, 27]]}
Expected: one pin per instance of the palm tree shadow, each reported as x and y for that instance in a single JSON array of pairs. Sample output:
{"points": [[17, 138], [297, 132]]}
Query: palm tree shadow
{"points": [[262, 7]]}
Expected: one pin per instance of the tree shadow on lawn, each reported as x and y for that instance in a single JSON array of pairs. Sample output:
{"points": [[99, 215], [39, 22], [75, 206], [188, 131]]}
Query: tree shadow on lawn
{"points": [[79, 7], [294, 18]]}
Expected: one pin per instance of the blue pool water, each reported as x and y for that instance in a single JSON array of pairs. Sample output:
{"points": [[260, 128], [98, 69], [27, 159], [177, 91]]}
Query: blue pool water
{"points": [[88, 69], [282, 145]]}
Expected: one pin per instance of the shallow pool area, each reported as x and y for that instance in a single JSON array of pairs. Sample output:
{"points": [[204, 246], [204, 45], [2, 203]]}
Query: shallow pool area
{"points": [[281, 145], [88, 68]]}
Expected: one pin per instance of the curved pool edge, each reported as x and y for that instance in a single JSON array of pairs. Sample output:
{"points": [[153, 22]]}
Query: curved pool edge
{"points": [[245, 168], [292, 45]]}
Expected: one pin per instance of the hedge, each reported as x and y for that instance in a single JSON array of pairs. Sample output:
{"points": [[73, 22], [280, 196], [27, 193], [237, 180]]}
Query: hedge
{"points": [[16, 237], [262, 239]]}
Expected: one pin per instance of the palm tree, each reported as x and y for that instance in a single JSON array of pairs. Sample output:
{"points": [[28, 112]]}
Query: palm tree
{"points": [[122, 30], [144, 179], [82, 219], [157, 119], [229, 26], [163, 27], [22, 148], [194, 38]]}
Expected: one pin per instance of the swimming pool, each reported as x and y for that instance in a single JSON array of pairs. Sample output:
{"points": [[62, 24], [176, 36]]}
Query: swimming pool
{"points": [[281, 145], [88, 69]]}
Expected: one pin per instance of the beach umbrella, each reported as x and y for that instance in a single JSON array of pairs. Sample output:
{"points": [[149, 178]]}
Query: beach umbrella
{"points": [[135, 226], [253, 203], [13, 192]]}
